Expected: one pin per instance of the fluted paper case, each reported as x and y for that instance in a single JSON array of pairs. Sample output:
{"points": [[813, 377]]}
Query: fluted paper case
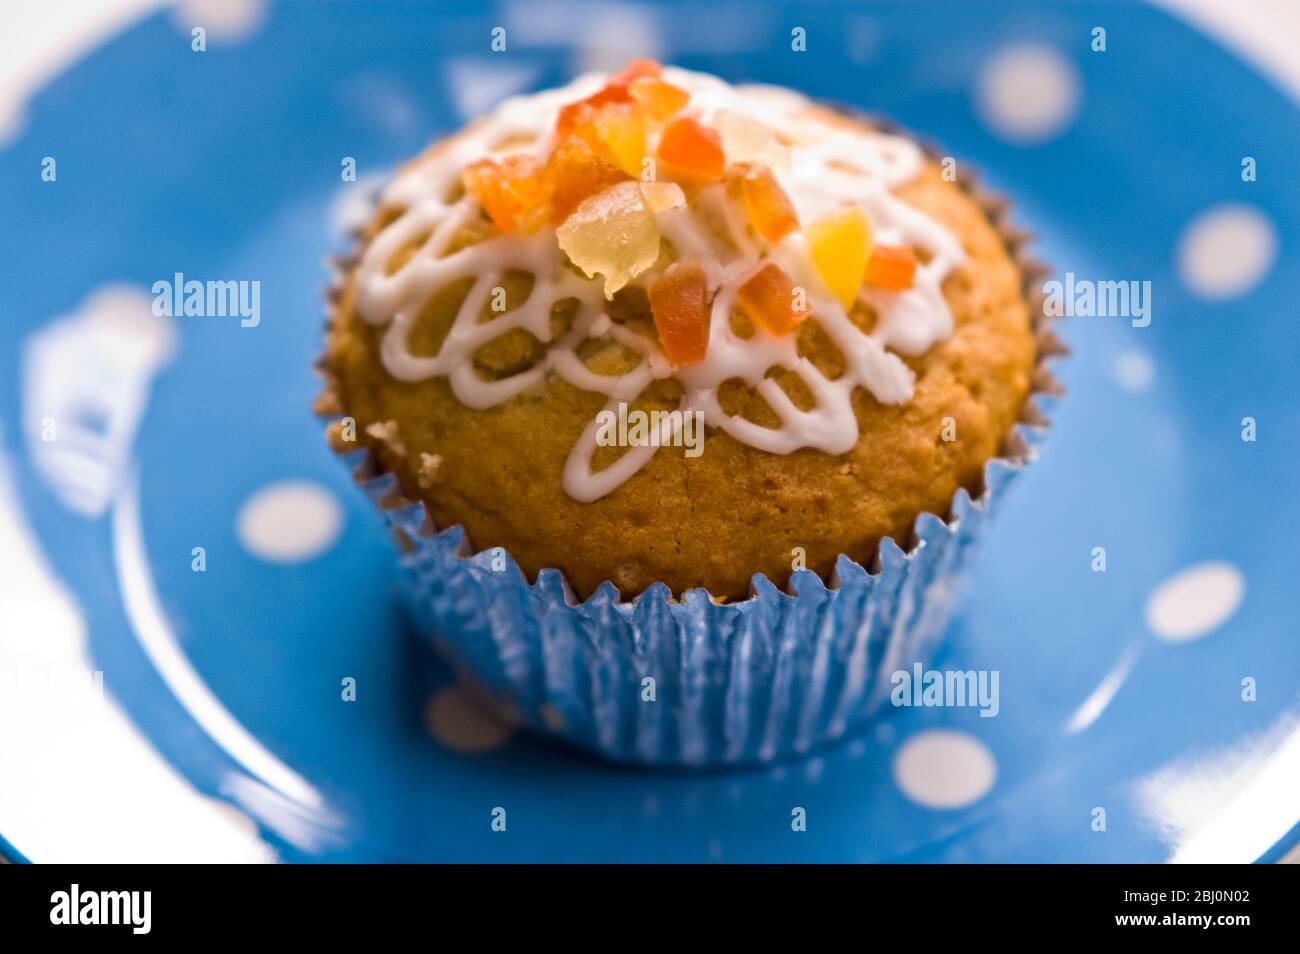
{"points": [[691, 682]]}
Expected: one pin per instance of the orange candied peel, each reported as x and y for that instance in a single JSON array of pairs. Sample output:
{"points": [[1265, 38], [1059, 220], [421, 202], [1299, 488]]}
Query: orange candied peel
{"points": [[575, 114], [679, 300], [616, 132], [512, 190], [892, 267], [636, 70], [841, 247], [617, 90], [658, 98], [574, 172], [613, 120], [693, 148], [600, 142], [769, 296], [770, 209]]}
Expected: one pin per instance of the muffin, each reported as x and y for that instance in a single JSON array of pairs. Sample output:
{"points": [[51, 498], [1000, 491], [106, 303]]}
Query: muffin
{"points": [[677, 395]]}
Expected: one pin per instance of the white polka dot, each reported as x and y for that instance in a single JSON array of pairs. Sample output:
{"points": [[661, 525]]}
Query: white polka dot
{"points": [[13, 117], [382, 101], [1226, 251], [459, 723], [476, 84], [136, 338], [289, 521], [1028, 93], [944, 769], [608, 36], [353, 205], [1192, 603], [1134, 370], [226, 21]]}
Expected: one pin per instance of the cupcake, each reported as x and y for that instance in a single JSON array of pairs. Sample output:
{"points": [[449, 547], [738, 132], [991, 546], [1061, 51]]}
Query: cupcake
{"points": [[686, 402]]}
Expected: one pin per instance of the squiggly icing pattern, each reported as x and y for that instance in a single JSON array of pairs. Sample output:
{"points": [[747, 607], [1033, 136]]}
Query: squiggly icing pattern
{"points": [[828, 167]]}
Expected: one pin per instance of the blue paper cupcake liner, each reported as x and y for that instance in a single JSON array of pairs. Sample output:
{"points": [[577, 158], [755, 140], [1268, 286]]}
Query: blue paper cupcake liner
{"points": [[659, 681]]}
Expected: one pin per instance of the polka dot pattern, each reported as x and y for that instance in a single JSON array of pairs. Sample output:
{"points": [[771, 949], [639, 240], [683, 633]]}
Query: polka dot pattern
{"points": [[944, 769], [476, 84], [289, 522], [1028, 93], [1195, 602], [226, 21], [12, 117], [1226, 251], [1134, 371], [457, 723]]}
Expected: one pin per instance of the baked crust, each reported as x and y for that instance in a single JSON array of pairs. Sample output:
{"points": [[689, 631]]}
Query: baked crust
{"points": [[715, 520]]}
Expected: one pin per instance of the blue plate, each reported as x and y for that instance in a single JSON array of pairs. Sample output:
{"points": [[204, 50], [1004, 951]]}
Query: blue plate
{"points": [[172, 520]]}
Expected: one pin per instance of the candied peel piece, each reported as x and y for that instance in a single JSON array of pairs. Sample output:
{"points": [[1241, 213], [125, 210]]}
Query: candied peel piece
{"points": [[769, 296], [617, 90], [679, 301], [661, 196], [770, 210], [576, 114], [612, 233], [613, 120], [512, 190], [616, 133], [841, 246], [892, 267], [636, 70], [574, 172], [693, 148], [659, 99], [745, 139]]}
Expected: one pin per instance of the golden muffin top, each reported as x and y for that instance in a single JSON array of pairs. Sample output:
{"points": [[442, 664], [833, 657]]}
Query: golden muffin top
{"points": [[708, 197], [805, 303]]}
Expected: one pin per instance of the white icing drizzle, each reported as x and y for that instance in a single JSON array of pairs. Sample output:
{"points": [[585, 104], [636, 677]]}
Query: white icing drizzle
{"points": [[828, 167]]}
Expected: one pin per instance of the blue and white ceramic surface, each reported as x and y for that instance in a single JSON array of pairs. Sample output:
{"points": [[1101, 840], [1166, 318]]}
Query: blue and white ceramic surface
{"points": [[200, 653]]}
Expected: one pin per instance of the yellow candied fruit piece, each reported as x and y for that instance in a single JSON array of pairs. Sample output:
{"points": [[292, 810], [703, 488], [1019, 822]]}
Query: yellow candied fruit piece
{"points": [[658, 98], [841, 247], [620, 129]]}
